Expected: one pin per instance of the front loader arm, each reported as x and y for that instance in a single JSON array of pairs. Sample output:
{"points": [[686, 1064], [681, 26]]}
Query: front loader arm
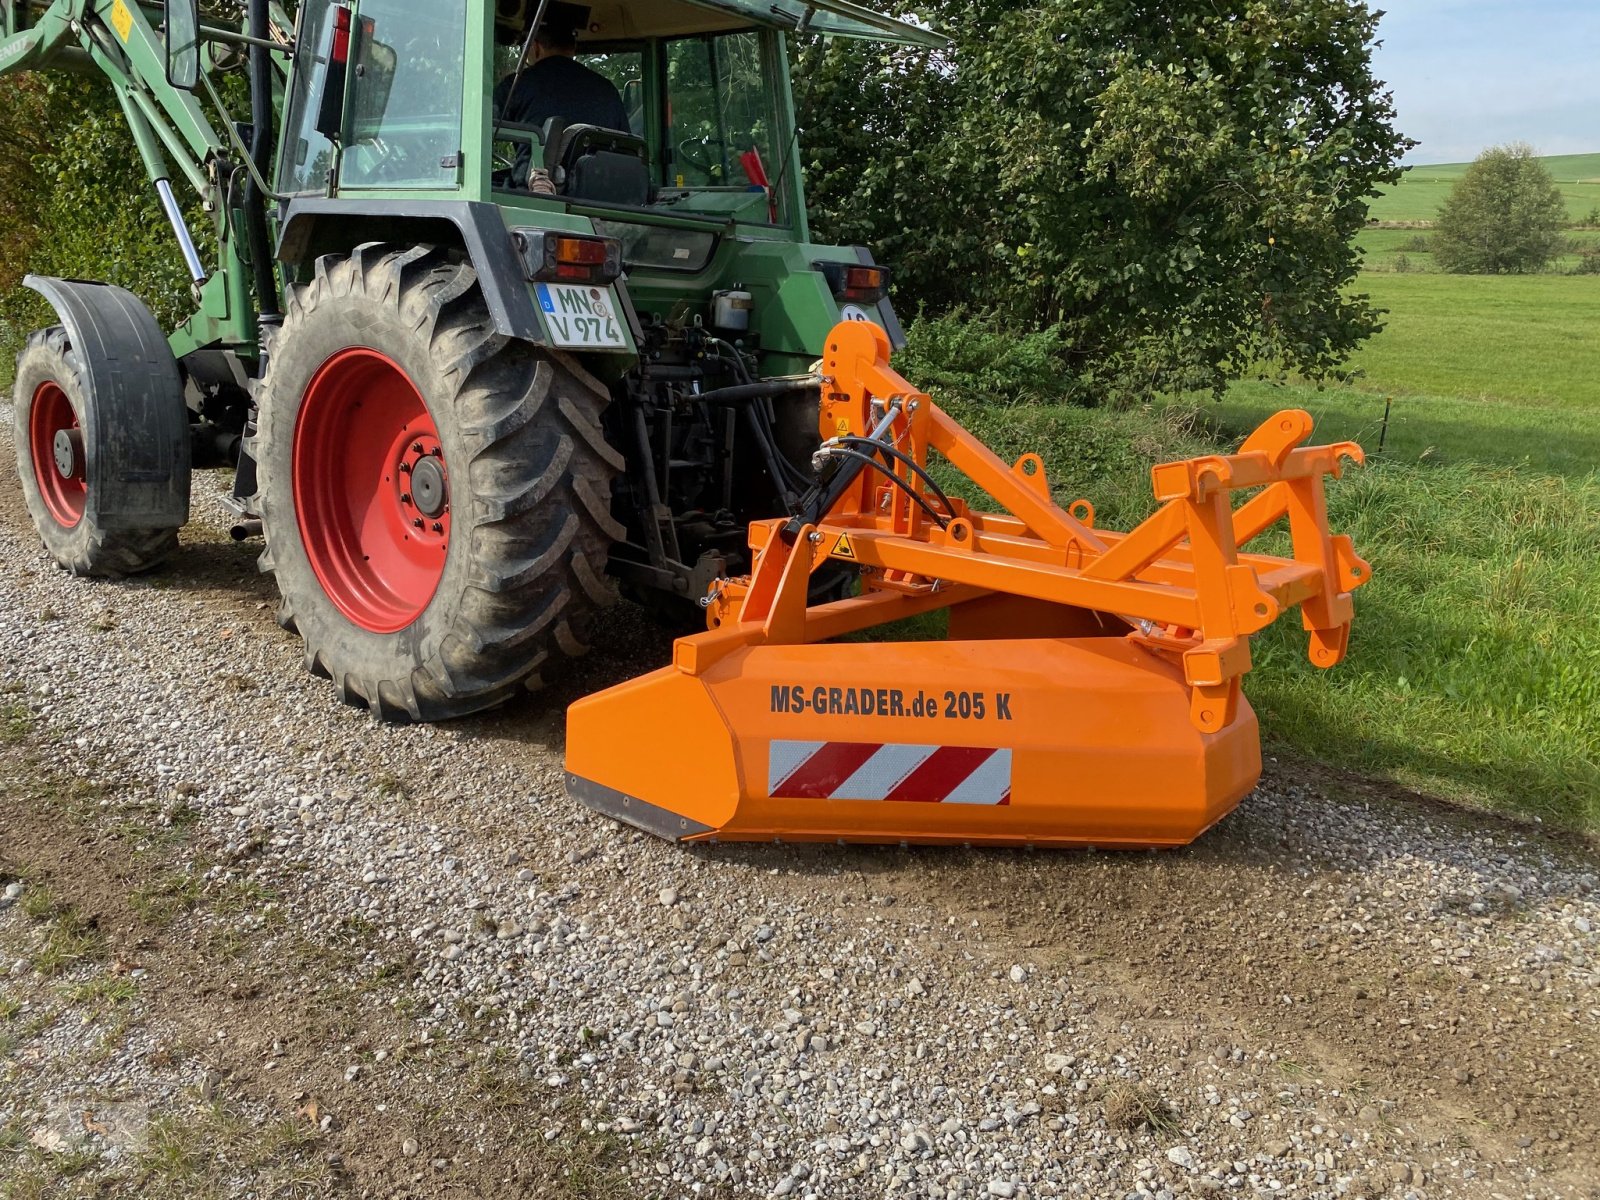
{"points": [[119, 38], [25, 46], [175, 138]]}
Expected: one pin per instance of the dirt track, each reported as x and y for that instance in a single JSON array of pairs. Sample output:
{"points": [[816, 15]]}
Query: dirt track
{"points": [[289, 917]]}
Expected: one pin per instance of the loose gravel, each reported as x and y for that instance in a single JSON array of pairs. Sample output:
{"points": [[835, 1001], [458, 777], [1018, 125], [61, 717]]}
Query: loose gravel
{"points": [[1333, 994]]}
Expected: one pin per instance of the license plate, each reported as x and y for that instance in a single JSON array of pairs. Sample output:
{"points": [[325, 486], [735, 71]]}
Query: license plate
{"points": [[576, 315]]}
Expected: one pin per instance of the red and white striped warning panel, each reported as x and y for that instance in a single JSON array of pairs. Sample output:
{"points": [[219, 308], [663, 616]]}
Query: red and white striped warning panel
{"points": [[888, 771]]}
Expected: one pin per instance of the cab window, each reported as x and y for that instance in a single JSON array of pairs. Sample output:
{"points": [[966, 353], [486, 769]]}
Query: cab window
{"points": [[307, 156], [721, 115], [404, 113], [625, 70]]}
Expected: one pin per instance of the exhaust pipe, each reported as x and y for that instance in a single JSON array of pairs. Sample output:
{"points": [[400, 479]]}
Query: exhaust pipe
{"points": [[244, 530]]}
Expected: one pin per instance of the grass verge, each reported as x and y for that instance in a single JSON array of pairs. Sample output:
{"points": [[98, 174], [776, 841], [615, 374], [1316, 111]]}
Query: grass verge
{"points": [[1474, 669], [1468, 676]]}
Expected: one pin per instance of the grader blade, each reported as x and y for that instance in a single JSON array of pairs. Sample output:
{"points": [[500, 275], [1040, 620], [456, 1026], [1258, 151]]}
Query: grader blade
{"points": [[1088, 692]]}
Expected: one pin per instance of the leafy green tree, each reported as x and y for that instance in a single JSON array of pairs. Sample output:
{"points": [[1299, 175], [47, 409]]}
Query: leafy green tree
{"points": [[27, 106], [1173, 185], [1503, 217], [80, 205]]}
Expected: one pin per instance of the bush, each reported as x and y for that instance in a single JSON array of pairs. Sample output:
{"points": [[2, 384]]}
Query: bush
{"points": [[92, 213], [1102, 455], [1176, 194], [1402, 264], [1503, 217], [1588, 261], [1416, 245], [980, 360]]}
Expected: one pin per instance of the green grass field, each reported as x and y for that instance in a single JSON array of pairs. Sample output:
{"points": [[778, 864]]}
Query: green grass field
{"points": [[1474, 670], [1417, 196], [1529, 339]]}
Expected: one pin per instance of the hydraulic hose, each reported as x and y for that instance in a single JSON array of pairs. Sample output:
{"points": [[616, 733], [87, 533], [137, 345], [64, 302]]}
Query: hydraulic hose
{"points": [[785, 476], [815, 504], [872, 461], [911, 464], [740, 392], [255, 203]]}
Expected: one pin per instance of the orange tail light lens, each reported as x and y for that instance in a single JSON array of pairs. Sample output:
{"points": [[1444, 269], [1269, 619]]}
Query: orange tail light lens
{"points": [[853, 284], [551, 257]]}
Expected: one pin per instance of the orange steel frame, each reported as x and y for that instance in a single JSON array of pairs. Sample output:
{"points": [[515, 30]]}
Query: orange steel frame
{"points": [[1179, 580]]}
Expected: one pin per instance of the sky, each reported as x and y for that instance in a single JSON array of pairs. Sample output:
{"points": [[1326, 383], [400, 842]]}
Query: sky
{"points": [[1468, 74]]}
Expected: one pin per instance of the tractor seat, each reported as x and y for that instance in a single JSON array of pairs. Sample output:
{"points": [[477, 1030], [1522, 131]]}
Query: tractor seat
{"points": [[588, 162]]}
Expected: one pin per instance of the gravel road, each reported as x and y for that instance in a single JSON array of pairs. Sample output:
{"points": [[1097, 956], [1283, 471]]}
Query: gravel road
{"points": [[1339, 992]]}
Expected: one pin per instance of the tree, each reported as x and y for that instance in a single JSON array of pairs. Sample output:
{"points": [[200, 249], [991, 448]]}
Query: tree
{"points": [[1503, 217], [1172, 184], [78, 205]]}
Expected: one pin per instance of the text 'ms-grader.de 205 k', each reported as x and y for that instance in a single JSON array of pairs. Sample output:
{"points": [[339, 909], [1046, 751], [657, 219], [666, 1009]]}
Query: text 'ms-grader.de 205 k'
{"points": [[466, 416]]}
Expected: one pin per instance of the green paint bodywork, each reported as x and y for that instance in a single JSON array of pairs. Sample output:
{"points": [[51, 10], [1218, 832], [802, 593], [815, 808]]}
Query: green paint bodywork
{"points": [[178, 138]]}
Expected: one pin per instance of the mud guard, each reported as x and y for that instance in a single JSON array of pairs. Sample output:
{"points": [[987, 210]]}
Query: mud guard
{"points": [[136, 426]]}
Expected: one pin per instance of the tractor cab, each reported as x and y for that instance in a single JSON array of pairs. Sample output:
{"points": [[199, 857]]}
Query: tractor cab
{"points": [[407, 95], [649, 220]]}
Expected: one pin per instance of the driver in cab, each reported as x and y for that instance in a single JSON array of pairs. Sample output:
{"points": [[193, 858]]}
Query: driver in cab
{"points": [[553, 83]]}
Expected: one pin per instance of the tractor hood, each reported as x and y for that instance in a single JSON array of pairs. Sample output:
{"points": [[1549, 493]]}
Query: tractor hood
{"points": [[614, 19]]}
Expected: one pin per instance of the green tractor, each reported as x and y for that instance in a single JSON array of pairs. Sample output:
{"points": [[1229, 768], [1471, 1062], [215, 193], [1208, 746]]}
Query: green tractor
{"points": [[475, 377]]}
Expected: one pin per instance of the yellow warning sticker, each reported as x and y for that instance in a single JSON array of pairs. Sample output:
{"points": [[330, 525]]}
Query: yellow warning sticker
{"points": [[121, 19], [842, 548]]}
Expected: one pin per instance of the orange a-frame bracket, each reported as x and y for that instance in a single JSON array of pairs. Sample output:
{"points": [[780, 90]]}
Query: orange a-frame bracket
{"points": [[1179, 579]]}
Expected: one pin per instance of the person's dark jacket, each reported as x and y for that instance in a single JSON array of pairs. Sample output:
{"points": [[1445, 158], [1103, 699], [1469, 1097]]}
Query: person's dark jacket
{"points": [[558, 86]]}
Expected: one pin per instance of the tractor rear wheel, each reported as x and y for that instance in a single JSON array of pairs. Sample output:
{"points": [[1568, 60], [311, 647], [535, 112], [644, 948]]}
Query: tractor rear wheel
{"points": [[435, 496], [51, 402]]}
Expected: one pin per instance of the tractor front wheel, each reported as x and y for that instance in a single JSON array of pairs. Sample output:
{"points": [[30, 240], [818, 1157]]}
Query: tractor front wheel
{"points": [[59, 481], [435, 496]]}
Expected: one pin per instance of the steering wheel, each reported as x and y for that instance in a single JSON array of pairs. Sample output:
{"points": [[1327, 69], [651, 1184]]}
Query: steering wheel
{"points": [[702, 164], [506, 153], [504, 158]]}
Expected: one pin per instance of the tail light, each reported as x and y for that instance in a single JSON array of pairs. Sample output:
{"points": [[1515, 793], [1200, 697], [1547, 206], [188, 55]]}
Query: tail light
{"points": [[552, 257], [853, 284], [330, 111], [339, 52]]}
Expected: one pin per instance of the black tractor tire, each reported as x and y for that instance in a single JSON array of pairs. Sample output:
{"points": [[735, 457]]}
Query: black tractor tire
{"points": [[51, 390], [523, 474]]}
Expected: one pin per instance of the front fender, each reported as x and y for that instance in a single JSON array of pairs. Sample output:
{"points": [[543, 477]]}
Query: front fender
{"points": [[136, 427]]}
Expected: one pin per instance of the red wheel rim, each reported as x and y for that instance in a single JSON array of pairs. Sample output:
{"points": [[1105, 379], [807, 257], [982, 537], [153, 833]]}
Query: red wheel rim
{"points": [[55, 443], [364, 443]]}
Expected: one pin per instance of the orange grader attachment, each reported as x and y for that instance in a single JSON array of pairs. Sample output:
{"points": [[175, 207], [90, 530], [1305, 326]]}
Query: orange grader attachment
{"points": [[1088, 692]]}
